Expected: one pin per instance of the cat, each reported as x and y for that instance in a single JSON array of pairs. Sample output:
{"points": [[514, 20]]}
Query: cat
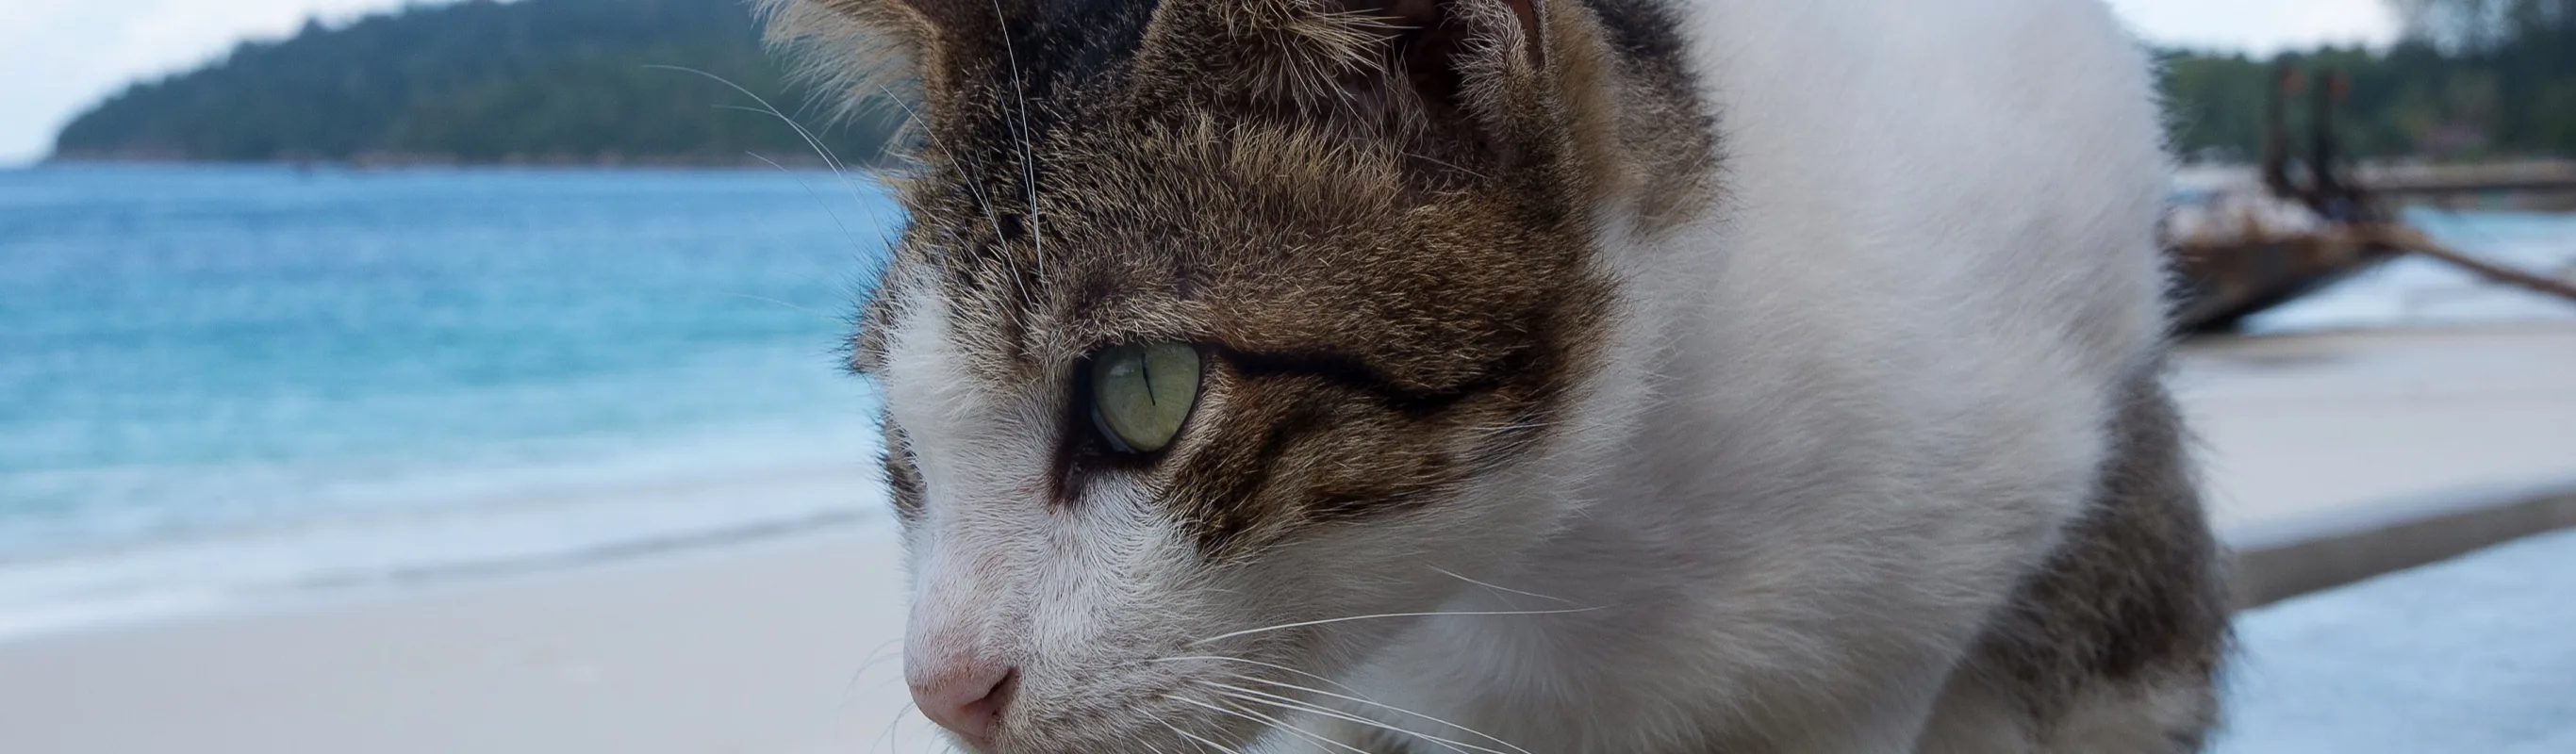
{"points": [[1635, 376]]}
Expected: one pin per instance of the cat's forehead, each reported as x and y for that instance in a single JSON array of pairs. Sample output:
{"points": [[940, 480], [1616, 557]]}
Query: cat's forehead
{"points": [[1101, 172], [1255, 245], [1030, 71], [1149, 229]]}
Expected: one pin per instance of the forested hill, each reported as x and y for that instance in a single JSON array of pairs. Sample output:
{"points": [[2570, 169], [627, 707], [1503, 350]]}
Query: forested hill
{"points": [[569, 81], [535, 81]]}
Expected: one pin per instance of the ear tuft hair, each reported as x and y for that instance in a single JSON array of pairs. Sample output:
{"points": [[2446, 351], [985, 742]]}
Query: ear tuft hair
{"points": [[861, 53], [1276, 53]]}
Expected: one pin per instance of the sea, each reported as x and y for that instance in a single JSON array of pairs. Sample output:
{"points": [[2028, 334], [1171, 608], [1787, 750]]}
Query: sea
{"points": [[224, 384], [230, 384]]}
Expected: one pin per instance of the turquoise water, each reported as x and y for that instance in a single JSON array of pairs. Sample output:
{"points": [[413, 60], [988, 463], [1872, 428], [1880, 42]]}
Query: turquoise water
{"points": [[214, 379], [223, 383], [2466, 655]]}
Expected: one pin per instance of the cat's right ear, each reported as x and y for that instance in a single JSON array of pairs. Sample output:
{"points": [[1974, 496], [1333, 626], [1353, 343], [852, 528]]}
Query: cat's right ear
{"points": [[864, 51]]}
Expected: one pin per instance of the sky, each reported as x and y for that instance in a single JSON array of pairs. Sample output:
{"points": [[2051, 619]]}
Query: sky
{"points": [[61, 56]]}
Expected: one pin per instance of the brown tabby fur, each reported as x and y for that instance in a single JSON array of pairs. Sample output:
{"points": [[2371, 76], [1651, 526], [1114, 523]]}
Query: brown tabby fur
{"points": [[1391, 269]]}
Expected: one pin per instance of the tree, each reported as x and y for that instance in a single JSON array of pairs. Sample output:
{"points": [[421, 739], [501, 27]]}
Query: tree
{"points": [[2455, 26], [478, 81], [2470, 78]]}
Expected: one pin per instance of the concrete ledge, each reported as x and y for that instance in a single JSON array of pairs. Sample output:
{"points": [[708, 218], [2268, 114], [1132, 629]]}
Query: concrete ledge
{"points": [[2278, 563], [2467, 656]]}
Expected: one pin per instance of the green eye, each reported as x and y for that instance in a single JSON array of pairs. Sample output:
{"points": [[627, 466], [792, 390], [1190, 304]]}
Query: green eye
{"points": [[1141, 394]]}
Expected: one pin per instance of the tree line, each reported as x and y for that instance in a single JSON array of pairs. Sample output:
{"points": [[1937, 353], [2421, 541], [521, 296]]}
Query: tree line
{"points": [[484, 82], [2469, 79], [572, 81]]}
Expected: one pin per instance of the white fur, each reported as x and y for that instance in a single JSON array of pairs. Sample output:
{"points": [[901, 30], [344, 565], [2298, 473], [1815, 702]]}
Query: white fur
{"points": [[1844, 413], [1879, 385]]}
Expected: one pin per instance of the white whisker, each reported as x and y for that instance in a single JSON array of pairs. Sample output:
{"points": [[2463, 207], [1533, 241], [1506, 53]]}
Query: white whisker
{"points": [[1217, 709], [1303, 624], [992, 214], [1286, 703], [1282, 725], [805, 309], [875, 656], [1202, 741], [888, 739], [1157, 720], [829, 159], [846, 235], [1371, 703], [1271, 665], [1448, 573], [1326, 681], [1028, 156]]}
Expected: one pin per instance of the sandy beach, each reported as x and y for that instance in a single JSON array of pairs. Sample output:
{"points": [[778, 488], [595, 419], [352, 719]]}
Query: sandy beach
{"points": [[2338, 429], [758, 647], [787, 644]]}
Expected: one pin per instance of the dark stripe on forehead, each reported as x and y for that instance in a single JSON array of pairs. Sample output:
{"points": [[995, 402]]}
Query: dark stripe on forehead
{"points": [[1053, 60], [1352, 373], [1052, 65], [1073, 41], [1249, 476], [1646, 33], [1313, 440]]}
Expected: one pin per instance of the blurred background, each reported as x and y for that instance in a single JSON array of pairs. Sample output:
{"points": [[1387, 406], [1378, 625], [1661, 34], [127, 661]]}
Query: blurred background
{"points": [[464, 376]]}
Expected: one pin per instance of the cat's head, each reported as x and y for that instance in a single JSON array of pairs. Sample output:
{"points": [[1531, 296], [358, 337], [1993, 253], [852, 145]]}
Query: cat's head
{"points": [[1215, 324]]}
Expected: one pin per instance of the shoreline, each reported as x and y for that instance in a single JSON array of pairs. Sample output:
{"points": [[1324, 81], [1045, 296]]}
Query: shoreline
{"points": [[783, 640], [518, 531], [391, 164], [2309, 493], [146, 609]]}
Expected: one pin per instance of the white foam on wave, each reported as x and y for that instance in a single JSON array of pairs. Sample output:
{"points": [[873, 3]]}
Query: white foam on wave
{"points": [[517, 520], [226, 384]]}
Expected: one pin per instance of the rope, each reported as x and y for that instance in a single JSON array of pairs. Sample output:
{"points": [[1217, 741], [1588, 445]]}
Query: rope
{"points": [[2414, 241]]}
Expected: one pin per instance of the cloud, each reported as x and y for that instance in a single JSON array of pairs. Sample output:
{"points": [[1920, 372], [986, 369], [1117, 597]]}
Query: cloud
{"points": [[2259, 26], [64, 55]]}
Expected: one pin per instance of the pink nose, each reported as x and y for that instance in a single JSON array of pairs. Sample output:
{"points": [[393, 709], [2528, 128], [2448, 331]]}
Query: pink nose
{"points": [[964, 697]]}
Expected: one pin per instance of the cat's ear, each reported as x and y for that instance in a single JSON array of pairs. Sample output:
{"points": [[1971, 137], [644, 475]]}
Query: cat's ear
{"points": [[1468, 75], [875, 50]]}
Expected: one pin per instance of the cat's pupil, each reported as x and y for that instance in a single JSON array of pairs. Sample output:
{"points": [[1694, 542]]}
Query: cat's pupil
{"points": [[1134, 412]]}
